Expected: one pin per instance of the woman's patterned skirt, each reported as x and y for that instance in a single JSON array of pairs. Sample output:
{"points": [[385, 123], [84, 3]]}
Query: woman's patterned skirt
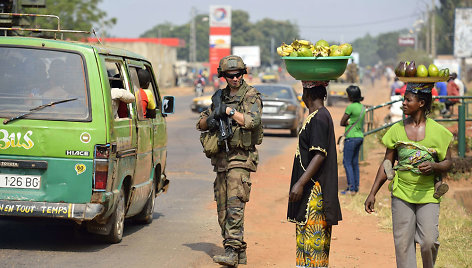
{"points": [[314, 238]]}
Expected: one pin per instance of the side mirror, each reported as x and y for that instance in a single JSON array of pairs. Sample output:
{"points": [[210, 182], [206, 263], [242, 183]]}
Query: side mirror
{"points": [[168, 103]]}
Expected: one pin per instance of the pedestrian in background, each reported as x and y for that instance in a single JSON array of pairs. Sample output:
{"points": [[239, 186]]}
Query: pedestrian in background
{"points": [[420, 145], [353, 120], [396, 84], [452, 90], [242, 104], [459, 83], [313, 199]]}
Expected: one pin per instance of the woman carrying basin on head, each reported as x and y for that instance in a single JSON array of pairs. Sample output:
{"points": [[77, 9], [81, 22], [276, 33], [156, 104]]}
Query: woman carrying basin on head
{"points": [[420, 145], [313, 201]]}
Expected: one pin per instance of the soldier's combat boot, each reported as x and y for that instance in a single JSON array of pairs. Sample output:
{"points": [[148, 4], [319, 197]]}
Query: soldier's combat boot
{"points": [[242, 257], [230, 258]]}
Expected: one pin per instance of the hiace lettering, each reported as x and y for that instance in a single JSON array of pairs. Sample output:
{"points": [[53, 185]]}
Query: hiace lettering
{"points": [[78, 153], [15, 140]]}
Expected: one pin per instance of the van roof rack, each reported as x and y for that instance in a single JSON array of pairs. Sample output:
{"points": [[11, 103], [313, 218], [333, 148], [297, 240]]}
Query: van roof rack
{"points": [[55, 31]]}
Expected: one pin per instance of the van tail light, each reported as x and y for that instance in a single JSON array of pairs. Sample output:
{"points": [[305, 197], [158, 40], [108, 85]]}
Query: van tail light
{"points": [[100, 163]]}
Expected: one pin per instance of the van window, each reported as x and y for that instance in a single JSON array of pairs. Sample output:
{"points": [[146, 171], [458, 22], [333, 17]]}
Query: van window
{"points": [[33, 77], [145, 100], [154, 89], [116, 79]]}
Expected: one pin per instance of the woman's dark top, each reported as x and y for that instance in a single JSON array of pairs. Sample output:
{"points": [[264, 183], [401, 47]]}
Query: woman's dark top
{"points": [[317, 135]]}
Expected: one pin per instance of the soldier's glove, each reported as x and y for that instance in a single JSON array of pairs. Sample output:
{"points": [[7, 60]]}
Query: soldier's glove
{"points": [[212, 123], [220, 111]]}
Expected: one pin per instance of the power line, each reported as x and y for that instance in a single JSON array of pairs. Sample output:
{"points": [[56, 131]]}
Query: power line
{"points": [[360, 24]]}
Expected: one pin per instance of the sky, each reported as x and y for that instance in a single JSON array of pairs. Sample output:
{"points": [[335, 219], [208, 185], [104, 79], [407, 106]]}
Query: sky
{"points": [[335, 20]]}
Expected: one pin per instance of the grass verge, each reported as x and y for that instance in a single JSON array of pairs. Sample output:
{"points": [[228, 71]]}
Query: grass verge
{"points": [[455, 227]]}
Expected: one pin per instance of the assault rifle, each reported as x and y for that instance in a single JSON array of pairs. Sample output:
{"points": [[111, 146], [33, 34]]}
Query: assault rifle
{"points": [[224, 123]]}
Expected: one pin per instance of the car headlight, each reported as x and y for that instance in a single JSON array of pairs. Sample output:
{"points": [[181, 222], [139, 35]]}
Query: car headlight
{"points": [[207, 102]]}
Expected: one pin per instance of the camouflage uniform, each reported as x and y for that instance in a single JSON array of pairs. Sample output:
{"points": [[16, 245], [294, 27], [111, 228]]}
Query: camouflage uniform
{"points": [[232, 185]]}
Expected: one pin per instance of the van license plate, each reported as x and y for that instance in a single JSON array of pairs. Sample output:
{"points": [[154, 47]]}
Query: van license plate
{"points": [[20, 181]]}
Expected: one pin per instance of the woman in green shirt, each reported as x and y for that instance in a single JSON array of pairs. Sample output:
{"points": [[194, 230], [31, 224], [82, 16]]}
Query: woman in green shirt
{"points": [[415, 212], [353, 120]]}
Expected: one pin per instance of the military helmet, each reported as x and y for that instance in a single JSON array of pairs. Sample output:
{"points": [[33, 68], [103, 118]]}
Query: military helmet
{"points": [[231, 63]]}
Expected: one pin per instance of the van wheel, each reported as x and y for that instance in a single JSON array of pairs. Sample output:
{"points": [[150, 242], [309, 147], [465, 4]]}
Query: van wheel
{"points": [[117, 221], [145, 216]]}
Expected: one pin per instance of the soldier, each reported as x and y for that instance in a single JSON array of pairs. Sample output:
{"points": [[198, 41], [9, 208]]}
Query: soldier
{"points": [[351, 73], [241, 106]]}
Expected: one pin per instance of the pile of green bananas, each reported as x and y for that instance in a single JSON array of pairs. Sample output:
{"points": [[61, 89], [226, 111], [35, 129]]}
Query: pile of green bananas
{"points": [[305, 48]]}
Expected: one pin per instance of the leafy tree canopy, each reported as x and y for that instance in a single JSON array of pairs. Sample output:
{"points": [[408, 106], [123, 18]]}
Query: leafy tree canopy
{"points": [[74, 15], [267, 34]]}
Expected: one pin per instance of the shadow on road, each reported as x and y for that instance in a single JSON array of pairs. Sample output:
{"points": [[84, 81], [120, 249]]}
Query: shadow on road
{"points": [[209, 248], [277, 135], [55, 235]]}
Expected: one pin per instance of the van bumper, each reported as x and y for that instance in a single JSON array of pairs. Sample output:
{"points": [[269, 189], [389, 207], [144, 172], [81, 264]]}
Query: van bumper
{"points": [[81, 212]]}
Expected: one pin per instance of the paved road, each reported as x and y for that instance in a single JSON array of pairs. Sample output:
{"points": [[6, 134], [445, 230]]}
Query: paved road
{"points": [[184, 232]]}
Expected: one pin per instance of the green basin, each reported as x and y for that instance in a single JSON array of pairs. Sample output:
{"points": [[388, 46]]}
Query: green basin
{"points": [[316, 68]]}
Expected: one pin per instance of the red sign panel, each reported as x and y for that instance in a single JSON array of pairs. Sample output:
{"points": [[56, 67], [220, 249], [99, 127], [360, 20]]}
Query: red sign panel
{"points": [[215, 55]]}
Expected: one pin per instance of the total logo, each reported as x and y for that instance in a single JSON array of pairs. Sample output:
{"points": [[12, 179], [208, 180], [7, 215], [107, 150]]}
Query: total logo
{"points": [[219, 14]]}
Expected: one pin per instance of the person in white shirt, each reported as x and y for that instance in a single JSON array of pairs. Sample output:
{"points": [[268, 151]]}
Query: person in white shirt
{"points": [[120, 95]]}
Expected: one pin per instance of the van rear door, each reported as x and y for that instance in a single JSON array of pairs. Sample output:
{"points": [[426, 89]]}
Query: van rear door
{"points": [[46, 149]]}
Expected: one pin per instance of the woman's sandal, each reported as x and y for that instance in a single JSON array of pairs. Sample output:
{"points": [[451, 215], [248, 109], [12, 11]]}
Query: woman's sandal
{"points": [[387, 164], [441, 190]]}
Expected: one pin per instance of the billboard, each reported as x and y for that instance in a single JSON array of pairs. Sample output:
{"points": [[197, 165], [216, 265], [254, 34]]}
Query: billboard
{"points": [[251, 55], [463, 33], [406, 41]]}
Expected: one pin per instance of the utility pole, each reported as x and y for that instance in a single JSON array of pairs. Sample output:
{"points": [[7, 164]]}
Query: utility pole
{"points": [[193, 38], [427, 20], [433, 30]]}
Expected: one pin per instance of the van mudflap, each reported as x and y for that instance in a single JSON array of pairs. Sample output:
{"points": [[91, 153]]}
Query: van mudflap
{"points": [[87, 211]]}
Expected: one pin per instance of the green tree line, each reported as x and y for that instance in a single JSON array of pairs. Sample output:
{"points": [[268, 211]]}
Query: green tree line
{"points": [[266, 33], [262, 33], [74, 15], [372, 49], [385, 48]]}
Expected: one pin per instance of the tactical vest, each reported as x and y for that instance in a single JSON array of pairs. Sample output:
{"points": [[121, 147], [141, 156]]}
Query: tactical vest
{"points": [[245, 138]]}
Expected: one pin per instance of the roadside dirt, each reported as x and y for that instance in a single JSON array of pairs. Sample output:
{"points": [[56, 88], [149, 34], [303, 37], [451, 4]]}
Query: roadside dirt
{"points": [[357, 241]]}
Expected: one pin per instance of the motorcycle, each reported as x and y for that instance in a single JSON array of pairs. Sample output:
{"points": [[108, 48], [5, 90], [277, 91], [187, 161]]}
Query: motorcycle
{"points": [[199, 89]]}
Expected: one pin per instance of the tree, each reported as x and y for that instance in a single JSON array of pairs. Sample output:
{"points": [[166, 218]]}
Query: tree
{"points": [[445, 18], [74, 15], [367, 47], [419, 56], [274, 32], [243, 33], [388, 48], [183, 32]]}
